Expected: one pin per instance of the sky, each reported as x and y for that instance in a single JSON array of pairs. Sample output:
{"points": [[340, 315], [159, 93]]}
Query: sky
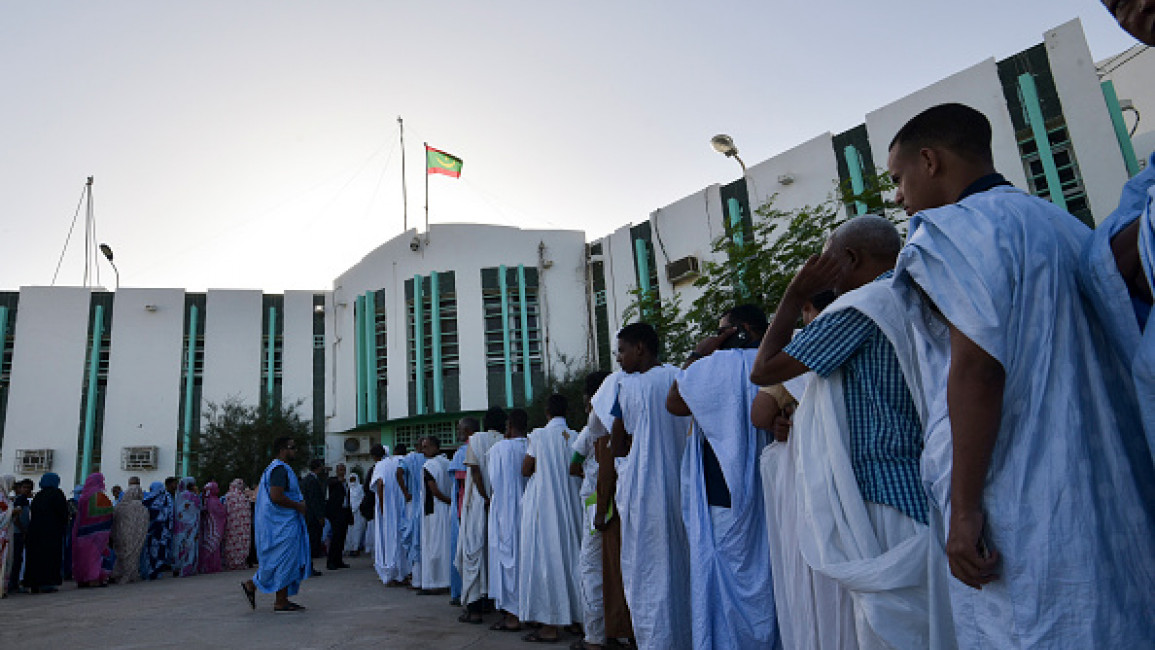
{"points": [[254, 144]]}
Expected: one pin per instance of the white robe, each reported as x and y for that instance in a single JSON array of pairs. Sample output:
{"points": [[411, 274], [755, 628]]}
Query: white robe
{"points": [[472, 544], [1068, 495], [505, 458], [389, 556], [649, 500], [548, 585], [435, 533], [356, 535], [733, 591]]}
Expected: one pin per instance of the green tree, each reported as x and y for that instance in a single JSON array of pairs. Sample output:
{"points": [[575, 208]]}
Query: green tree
{"points": [[570, 382], [758, 269], [237, 440]]}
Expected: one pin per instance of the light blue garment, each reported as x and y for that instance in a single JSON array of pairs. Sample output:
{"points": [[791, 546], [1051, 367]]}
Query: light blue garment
{"points": [[1067, 502], [282, 539], [649, 502], [413, 463], [455, 465], [1118, 315], [1144, 364], [732, 586]]}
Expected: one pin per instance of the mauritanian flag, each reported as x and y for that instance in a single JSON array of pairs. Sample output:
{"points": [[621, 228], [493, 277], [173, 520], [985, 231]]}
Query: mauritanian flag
{"points": [[439, 162]]}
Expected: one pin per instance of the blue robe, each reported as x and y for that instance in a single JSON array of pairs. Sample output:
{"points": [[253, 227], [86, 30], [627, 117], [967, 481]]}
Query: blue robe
{"points": [[281, 537], [414, 464], [457, 464], [1067, 499], [730, 575], [155, 557]]}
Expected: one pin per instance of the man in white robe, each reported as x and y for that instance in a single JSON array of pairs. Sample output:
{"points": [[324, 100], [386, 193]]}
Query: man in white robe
{"points": [[649, 440], [456, 469], [1047, 502], [472, 542], [505, 459], [548, 590], [389, 558], [731, 578], [435, 523], [411, 472], [585, 465]]}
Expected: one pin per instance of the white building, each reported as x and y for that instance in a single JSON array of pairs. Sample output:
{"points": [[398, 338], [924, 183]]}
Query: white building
{"points": [[497, 310]]}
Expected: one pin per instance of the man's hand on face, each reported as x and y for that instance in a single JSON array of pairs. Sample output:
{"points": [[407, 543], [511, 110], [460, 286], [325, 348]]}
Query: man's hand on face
{"points": [[711, 344], [819, 273]]}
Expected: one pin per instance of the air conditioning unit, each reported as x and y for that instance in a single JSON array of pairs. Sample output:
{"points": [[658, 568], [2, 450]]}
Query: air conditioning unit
{"points": [[31, 461], [139, 459], [683, 270], [357, 445]]}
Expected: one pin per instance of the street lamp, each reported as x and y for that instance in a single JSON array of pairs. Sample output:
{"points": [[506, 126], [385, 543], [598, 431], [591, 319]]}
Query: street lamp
{"points": [[106, 250], [724, 144]]}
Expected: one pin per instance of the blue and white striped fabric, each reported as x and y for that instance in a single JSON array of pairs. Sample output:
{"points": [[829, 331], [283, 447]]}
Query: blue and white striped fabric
{"points": [[885, 433]]}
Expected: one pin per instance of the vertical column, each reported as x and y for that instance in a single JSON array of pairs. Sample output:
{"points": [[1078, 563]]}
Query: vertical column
{"points": [[270, 360], [857, 182], [419, 343], [359, 355], [435, 332], [1121, 133], [90, 398], [189, 388], [3, 332], [1030, 95], [369, 332], [504, 283], [524, 304], [734, 208], [643, 264]]}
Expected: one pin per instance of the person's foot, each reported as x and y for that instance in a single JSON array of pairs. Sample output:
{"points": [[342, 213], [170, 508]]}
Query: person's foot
{"points": [[469, 617], [288, 606], [250, 593], [537, 637], [316, 573], [455, 602]]}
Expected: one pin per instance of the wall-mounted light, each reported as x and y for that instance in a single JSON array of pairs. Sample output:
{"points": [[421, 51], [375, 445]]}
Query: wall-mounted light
{"points": [[150, 308]]}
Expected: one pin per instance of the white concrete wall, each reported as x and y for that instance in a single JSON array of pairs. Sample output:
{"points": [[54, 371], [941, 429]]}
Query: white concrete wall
{"points": [[47, 378], [1133, 81], [297, 354], [685, 227], [977, 87], [142, 406], [1088, 120], [464, 249], [812, 165], [233, 353]]}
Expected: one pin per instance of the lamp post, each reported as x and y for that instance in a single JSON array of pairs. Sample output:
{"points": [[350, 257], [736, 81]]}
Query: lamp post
{"points": [[106, 250], [724, 145]]}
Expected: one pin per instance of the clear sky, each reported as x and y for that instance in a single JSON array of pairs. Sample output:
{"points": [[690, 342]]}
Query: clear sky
{"points": [[253, 144]]}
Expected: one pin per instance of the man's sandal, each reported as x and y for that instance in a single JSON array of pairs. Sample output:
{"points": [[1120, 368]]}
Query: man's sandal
{"points": [[291, 607], [251, 595]]}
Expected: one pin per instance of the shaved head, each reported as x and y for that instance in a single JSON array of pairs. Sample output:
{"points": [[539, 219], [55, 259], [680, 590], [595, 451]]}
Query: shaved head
{"points": [[873, 236]]}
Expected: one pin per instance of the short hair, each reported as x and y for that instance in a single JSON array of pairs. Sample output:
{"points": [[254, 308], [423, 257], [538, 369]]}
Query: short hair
{"points": [[556, 405], [27, 483], [519, 419], [495, 419], [434, 440], [472, 424], [641, 333], [400, 450], [171, 479], [873, 235], [281, 443], [751, 315], [955, 127], [594, 381], [377, 451], [316, 464]]}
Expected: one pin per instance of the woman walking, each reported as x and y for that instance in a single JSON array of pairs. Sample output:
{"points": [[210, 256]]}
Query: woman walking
{"points": [[129, 529], [186, 529], [213, 523], [44, 548], [238, 526], [357, 531], [92, 559], [156, 559]]}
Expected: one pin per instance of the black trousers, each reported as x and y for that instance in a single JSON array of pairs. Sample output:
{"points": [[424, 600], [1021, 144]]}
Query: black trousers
{"points": [[17, 561], [316, 546], [339, 530]]}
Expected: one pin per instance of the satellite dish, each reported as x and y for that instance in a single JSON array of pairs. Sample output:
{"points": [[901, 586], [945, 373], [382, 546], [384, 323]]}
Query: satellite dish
{"points": [[352, 445]]}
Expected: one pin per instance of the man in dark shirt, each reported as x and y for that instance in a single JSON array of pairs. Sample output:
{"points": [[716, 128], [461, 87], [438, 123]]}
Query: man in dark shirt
{"points": [[340, 515], [314, 494]]}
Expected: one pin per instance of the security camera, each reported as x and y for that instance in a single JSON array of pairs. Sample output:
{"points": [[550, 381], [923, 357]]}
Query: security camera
{"points": [[415, 244]]}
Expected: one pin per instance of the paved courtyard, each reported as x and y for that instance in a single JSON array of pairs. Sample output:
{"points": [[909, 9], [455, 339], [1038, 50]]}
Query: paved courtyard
{"points": [[349, 608]]}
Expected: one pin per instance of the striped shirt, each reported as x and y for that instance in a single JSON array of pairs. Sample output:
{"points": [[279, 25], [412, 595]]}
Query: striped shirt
{"points": [[885, 432]]}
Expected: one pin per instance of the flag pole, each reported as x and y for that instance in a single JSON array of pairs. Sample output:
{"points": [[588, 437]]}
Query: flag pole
{"points": [[426, 191], [404, 194]]}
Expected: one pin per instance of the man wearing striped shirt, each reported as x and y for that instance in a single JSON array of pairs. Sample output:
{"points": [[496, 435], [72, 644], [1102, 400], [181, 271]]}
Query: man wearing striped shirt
{"points": [[862, 417]]}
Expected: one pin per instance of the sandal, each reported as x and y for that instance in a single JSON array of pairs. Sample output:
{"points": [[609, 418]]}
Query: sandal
{"points": [[500, 626], [467, 617], [534, 637], [251, 595], [291, 607]]}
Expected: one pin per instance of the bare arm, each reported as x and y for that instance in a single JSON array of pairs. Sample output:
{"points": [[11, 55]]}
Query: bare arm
{"points": [[528, 466], [431, 485], [974, 401], [279, 498], [620, 441], [674, 402], [575, 466], [1125, 248], [763, 411], [772, 366]]}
